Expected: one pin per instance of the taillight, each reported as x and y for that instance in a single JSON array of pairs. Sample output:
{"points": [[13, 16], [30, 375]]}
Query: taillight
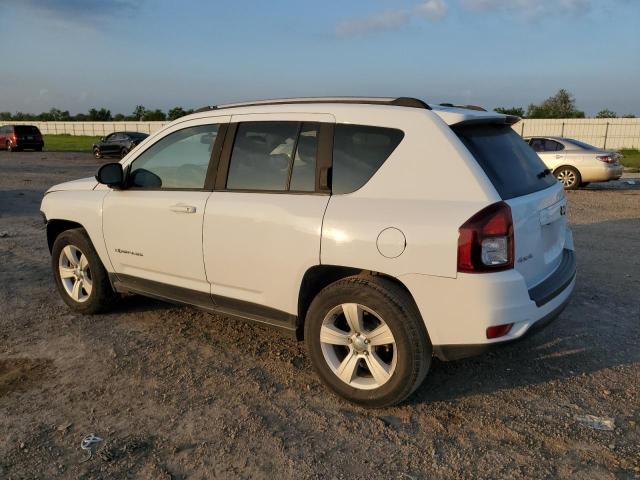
{"points": [[606, 158], [499, 330], [485, 241]]}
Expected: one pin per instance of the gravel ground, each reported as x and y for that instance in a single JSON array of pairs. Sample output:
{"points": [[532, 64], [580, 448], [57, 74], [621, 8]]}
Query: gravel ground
{"points": [[177, 393]]}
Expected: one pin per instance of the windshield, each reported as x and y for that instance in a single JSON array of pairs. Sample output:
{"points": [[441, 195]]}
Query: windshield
{"points": [[511, 165]]}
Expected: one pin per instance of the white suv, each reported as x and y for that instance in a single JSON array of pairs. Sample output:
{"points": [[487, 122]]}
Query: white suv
{"points": [[329, 218]]}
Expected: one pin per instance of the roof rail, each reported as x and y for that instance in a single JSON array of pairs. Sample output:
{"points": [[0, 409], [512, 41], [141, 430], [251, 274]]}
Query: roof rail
{"points": [[205, 109], [467, 107], [399, 102]]}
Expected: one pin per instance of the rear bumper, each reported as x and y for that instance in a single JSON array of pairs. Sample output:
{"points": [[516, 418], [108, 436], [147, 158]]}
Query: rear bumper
{"points": [[456, 352], [30, 145], [457, 312], [602, 173]]}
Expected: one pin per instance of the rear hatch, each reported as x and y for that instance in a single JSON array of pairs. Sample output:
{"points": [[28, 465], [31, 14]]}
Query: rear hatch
{"points": [[27, 133], [537, 200]]}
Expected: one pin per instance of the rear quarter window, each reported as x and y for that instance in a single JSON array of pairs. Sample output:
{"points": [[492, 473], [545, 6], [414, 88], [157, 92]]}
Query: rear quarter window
{"points": [[358, 152], [511, 164]]}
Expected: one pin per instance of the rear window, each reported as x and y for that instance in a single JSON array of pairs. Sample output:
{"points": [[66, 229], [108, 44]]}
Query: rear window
{"points": [[580, 144], [26, 130], [511, 165]]}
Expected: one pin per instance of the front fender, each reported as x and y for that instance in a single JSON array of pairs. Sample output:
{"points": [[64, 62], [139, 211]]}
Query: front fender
{"points": [[82, 207]]}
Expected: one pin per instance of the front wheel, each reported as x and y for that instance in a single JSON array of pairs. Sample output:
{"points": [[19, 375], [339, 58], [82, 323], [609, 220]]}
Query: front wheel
{"points": [[367, 341], [10, 147], [97, 153], [569, 177], [123, 152], [81, 279]]}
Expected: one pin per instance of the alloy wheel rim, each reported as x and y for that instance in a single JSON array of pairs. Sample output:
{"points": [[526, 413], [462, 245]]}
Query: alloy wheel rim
{"points": [[567, 178], [74, 271], [358, 346]]}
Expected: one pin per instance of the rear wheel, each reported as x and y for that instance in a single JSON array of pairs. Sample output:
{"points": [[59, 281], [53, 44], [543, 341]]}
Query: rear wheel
{"points": [[569, 177], [10, 147], [81, 279], [367, 341]]}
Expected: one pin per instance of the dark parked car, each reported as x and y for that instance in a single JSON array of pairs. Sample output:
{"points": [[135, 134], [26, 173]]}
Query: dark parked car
{"points": [[117, 144], [21, 137]]}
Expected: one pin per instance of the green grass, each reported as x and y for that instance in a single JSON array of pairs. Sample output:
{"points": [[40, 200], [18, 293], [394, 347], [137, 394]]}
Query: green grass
{"points": [[68, 143], [631, 158]]}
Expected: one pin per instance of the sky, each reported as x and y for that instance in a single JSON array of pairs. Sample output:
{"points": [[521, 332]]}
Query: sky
{"points": [[78, 54]]}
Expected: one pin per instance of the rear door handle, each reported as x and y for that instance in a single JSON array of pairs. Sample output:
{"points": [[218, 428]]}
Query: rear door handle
{"points": [[179, 208], [558, 156]]}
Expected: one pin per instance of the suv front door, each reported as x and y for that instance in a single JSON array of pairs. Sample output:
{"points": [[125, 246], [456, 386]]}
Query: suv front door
{"points": [[153, 228], [263, 222]]}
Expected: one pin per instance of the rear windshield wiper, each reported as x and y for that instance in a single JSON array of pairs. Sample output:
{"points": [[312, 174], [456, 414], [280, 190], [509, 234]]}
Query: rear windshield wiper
{"points": [[544, 173]]}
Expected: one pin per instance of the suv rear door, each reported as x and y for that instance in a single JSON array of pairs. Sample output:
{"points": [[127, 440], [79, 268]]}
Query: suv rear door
{"points": [[537, 200], [263, 221]]}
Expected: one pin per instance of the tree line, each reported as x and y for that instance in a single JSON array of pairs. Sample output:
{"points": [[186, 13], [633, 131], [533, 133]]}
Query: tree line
{"points": [[560, 105], [140, 113]]}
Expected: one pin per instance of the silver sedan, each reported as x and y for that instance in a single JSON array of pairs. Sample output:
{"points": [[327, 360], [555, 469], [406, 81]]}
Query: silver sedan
{"points": [[575, 163]]}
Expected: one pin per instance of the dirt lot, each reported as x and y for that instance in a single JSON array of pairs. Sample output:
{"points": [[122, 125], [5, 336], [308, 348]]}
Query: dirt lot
{"points": [[176, 393]]}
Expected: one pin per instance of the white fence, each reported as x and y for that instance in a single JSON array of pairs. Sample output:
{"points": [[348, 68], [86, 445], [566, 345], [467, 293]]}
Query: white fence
{"points": [[612, 133], [94, 129]]}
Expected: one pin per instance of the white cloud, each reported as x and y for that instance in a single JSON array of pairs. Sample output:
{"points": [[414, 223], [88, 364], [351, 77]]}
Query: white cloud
{"points": [[530, 8], [389, 20], [432, 9]]}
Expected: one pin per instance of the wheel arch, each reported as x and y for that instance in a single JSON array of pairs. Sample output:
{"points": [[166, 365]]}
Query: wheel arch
{"points": [[566, 165], [56, 226], [318, 277]]}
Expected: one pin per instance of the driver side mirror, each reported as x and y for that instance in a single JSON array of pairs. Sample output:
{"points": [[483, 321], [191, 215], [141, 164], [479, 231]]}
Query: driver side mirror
{"points": [[111, 175]]}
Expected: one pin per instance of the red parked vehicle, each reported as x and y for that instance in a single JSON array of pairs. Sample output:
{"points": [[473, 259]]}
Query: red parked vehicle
{"points": [[21, 137]]}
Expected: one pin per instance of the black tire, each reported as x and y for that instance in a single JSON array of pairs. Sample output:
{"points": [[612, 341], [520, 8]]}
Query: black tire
{"points": [[568, 176], [97, 153], [394, 305], [102, 297], [123, 152]]}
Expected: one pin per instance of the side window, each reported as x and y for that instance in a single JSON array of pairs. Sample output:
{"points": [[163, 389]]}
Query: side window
{"points": [[303, 173], [261, 156], [180, 160], [358, 152], [552, 146], [537, 144]]}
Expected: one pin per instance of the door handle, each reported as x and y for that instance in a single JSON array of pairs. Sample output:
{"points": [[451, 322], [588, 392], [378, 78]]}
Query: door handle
{"points": [[558, 156], [182, 208]]}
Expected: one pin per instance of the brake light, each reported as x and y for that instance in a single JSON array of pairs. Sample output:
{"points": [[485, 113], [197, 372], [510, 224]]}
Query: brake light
{"points": [[606, 158], [485, 241], [499, 330]]}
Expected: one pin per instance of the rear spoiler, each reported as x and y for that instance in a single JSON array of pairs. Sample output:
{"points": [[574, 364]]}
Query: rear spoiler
{"points": [[505, 120], [455, 115]]}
